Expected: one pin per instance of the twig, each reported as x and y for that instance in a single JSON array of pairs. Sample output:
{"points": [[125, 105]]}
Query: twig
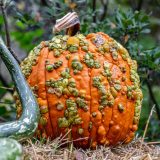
{"points": [[8, 3], [70, 150], [153, 99], [136, 6], [6, 88], [94, 9], [6, 24], [129, 155], [44, 3], [153, 143], [68, 141], [2, 119], [65, 155], [8, 39], [29, 141], [139, 6], [133, 4], [6, 102], [4, 83], [105, 7], [146, 127]]}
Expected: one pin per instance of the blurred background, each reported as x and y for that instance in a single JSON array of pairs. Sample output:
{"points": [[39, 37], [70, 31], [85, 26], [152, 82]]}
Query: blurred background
{"points": [[134, 23]]}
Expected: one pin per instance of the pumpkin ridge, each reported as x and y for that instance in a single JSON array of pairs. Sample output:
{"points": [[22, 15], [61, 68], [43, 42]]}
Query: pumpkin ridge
{"points": [[44, 120], [127, 113], [90, 100], [90, 82], [50, 93], [116, 127], [75, 128], [122, 126], [129, 104], [137, 95], [116, 115], [102, 129], [107, 38], [82, 142], [49, 113]]}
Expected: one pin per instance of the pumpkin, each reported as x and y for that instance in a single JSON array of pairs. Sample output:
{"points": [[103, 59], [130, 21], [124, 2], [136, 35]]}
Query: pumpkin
{"points": [[26, 125], [86, 84]]}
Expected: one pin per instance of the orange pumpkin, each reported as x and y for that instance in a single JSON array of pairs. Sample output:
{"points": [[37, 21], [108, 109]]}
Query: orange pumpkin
{"points": [[88, 84]]}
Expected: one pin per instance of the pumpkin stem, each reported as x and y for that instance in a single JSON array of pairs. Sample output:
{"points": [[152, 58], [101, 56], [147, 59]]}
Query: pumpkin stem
{"points": [[70, 22]]}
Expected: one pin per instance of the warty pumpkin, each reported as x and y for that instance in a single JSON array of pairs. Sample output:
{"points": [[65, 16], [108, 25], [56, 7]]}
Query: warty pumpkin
{"points": [[88, 84]]}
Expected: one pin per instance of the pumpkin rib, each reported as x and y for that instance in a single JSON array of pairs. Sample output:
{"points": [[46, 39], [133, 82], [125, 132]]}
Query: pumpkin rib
{"points": [[102, 130], [42, 93], [74, 127], [117, 121], [93, 91], [125, 116], [84, 83], [121, 129], [129, 113], [27, 69], [47, 97], [90, 126], [33, 80], [51, 97], [94, 109], [90, 82], [61, 98], [130, 122], [135, 109], [109, 114], [110, 134], [117, 139], [85, 115], [97, 120]]}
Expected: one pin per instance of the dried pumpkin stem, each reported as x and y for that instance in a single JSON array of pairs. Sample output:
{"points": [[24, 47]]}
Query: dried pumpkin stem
{"points": [[70, 22]]}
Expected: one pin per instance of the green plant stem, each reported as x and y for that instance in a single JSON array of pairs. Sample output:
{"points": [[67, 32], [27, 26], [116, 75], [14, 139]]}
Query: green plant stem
{"points": [[153, 99], [26, 125]]}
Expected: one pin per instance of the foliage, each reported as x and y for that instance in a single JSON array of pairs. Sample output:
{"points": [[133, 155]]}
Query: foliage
{"points": [[135, 24]]}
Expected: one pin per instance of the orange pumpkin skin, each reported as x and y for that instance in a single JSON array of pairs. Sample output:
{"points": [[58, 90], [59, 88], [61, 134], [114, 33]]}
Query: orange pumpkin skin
{"points": [[87, 84]]}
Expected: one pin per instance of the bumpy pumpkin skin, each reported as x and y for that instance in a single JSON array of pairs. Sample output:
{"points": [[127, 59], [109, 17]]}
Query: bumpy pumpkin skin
{"points": [[87, 84]]}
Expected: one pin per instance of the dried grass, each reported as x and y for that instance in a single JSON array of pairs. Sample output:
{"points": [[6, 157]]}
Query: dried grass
{"points": [[52, 150]]}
